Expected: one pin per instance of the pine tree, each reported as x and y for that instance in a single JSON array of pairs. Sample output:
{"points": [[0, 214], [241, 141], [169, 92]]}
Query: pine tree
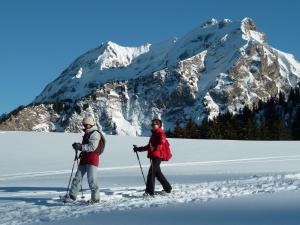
{"points": [[169, 134], [203, 129], [263, 131], [296, 125], [179, 132], [191, 129]]}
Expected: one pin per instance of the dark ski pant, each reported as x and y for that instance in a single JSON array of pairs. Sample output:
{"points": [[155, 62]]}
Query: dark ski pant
{"points": [[155, 172]]}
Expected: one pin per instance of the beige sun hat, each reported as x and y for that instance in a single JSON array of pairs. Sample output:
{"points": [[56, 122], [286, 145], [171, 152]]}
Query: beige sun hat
{"points": [[88, 120]]}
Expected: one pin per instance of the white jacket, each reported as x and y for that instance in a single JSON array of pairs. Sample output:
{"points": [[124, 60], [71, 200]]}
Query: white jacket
{"points": [[93, 140]]}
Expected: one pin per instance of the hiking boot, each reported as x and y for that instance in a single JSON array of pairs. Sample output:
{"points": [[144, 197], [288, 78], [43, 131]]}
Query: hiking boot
{"points": [[148, 195], [69, 197], [168, 191], [73, 197]]}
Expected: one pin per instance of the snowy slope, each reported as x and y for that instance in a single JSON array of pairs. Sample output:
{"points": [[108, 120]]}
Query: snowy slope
{"points": [[261, 209], [202, 177], [219, 66]]}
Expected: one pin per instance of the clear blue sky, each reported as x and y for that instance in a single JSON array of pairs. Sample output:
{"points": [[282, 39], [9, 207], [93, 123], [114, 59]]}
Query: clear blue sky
{"points": [[39, 38]]}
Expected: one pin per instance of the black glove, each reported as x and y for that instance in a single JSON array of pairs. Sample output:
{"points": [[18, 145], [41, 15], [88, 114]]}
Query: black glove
{"points": [[135, 148], [77, 146]]}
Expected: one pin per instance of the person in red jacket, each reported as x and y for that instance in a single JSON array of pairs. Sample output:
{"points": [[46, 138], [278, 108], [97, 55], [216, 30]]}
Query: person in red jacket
{"points": [[155, 150]]}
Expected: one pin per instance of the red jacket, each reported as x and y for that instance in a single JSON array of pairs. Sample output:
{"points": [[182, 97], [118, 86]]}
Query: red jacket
{"points": [[91, 157], [156, 144]]}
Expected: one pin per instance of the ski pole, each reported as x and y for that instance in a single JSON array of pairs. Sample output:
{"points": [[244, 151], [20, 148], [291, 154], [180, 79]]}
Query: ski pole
{"points": [[71, 176], [137, 155]]}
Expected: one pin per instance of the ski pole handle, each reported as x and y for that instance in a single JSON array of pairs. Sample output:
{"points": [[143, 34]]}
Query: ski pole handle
{"points": [[135, 148]]}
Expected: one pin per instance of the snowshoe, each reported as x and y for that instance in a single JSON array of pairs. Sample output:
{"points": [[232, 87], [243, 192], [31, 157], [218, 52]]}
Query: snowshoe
{"points": [[93, 201], [163, 193]]}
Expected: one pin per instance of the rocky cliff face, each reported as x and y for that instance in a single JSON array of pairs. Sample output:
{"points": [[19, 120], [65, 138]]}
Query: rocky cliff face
{"points": [[219, 66]]}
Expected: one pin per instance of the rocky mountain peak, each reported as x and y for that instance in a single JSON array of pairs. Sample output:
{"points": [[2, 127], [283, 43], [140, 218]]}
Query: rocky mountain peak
{"points": [[117, 56], [217, 67], [250, 31]]}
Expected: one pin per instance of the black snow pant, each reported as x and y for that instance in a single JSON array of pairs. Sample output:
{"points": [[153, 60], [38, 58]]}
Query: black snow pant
{"points": [[155, 172]]}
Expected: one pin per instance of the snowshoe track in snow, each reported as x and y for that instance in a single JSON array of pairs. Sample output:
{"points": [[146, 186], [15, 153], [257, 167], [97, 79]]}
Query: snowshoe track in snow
{"points": [[32, 206]]}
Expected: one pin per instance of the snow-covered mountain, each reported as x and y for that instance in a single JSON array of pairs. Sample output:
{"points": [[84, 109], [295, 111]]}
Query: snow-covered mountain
{"points": [[219, 66]]}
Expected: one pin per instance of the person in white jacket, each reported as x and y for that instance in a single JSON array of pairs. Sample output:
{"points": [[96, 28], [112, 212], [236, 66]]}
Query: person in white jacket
{"points": [[89, 160]]}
